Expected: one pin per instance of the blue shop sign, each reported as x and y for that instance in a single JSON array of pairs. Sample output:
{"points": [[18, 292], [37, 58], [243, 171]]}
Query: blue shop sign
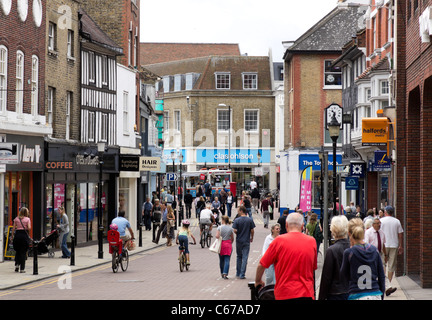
{"points": [[351, 183], [166, 157], [306, 160], [382, 162], [220, 156]]}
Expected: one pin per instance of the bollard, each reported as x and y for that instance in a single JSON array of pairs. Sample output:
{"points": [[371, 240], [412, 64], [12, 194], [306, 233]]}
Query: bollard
{"points": [[35, 257], [140, 235], [72, 257]]}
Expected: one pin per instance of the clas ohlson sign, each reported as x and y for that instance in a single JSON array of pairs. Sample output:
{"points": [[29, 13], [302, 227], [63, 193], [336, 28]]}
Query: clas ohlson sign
{"points": [[241, 156]]}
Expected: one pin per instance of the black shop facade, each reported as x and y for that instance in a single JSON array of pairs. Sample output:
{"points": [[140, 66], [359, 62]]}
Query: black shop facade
{"points": [[73, 176]]}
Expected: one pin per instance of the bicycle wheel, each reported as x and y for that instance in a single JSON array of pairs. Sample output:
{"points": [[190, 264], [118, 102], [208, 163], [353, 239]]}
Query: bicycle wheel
{"points": [[124, 261], [115, 262], [208, 240], [182, 262], [186, 265], [203, 237]]}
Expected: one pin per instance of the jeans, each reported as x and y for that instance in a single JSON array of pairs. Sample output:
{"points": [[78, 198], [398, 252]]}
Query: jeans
{"points": [[64, 248], [242, 258], [229, 205], [224, 263], [249, 212]]}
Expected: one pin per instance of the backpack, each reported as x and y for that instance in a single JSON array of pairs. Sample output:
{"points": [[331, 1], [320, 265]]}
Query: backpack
{"points": [[318, 235]]}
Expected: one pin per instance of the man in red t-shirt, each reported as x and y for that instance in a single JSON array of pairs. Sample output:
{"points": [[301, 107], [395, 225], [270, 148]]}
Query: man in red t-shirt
{"points": [[294, 256]]}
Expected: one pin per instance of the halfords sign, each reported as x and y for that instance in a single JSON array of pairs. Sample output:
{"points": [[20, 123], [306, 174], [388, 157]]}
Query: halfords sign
{"points": [[374, 131]]}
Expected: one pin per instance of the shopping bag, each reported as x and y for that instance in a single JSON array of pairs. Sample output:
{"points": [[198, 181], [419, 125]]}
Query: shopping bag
{"points": [[215, 246]]}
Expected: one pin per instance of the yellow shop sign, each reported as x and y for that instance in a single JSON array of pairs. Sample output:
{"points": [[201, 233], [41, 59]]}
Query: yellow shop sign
{"points": [[375, 131]]}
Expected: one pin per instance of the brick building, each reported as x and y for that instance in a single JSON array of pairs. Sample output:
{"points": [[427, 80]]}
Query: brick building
{"points": [[63, 69], [198, 95], [22, 108], [311, 84], [414, 168]]}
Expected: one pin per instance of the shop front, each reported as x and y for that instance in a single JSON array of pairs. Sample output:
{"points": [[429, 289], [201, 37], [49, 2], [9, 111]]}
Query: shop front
{"points": [[246, 165], [300, 175], [23, 182], [74, 175]]}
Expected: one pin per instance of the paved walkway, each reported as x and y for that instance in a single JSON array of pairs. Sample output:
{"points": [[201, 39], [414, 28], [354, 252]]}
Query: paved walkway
{"points": [[87, 257]]}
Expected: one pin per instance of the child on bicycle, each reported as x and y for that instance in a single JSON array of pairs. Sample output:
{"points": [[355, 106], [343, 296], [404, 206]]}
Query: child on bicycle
{"points": [[182, 238]]}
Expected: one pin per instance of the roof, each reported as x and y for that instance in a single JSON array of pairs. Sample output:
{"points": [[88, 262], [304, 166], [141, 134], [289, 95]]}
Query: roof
{"points": [[90, 31], [153, 52], [382, 65], [206, 67], [331, 33]]}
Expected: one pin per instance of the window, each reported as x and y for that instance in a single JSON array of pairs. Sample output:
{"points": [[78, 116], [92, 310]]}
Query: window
{"points": [[104, 70], [166, 121], [91, 67], [166, 83], [251, 120], [3, 78], [374, 39], [332, 74], [250, 81], [177, 120], [50, 104], [222, 80], [52, 28], [91, 126], [223, 120], [178, 81], [69, 96], [104, 127], [19, 82], [70, 44], [384, 87], [125, 112], [367, 94], [35, 85]]}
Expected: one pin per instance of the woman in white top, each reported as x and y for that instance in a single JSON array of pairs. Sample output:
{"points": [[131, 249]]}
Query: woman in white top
{"points": [[270, 272]]}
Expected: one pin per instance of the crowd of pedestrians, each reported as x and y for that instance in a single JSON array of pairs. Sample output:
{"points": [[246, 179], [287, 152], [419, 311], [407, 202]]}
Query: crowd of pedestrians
{"points": [[359, 265]]}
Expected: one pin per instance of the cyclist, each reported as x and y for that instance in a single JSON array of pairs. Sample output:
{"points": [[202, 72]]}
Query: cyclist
{"points": [[206, 218], [182, 239], [123, 224]]}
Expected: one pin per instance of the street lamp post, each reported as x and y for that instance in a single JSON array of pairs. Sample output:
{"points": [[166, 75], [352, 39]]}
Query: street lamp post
{"points": [[229, 132], [180, 190], [101, 150], [334, 128]]}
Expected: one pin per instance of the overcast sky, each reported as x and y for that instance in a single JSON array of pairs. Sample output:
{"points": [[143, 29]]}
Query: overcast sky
{"points": [[256, 25]]}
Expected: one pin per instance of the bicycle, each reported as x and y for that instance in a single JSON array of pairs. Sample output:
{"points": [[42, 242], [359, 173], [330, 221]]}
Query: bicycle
{"points": [[182, 259], [119, 252], [205, 236]]}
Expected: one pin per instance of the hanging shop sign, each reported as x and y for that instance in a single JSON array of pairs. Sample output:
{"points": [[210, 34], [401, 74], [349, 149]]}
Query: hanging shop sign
{"points": [[382, 162], [375, 131], [150, 164], [351, 183], [129, 163]]}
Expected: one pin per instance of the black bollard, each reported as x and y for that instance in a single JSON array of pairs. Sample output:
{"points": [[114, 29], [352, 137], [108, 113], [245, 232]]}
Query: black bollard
{"points": [[140, 235], [72, 257], [35, 257]]}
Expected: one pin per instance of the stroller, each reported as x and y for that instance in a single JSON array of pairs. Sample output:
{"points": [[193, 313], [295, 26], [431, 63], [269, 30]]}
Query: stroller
{"points": [[261, 293], [42, 246]]}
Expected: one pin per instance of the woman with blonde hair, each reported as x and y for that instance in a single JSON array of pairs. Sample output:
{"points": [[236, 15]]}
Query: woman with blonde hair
{"points": [[362, 266], [170, 225], [331, 287], [21, 238]]}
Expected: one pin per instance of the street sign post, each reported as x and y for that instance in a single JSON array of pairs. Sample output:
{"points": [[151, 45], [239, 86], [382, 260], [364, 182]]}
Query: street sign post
{"points": [[171, 177]]}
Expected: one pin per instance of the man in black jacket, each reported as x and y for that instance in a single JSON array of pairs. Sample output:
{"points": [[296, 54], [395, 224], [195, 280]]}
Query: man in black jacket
{"points": [[188, 203]]}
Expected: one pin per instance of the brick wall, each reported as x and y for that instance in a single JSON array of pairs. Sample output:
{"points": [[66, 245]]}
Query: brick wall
{"points": [[414, 116], [30, 39], [307, 100], [62, 71]]}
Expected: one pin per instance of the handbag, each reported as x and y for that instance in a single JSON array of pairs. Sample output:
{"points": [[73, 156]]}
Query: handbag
{"points": [[216, 246], [29, 239]]}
